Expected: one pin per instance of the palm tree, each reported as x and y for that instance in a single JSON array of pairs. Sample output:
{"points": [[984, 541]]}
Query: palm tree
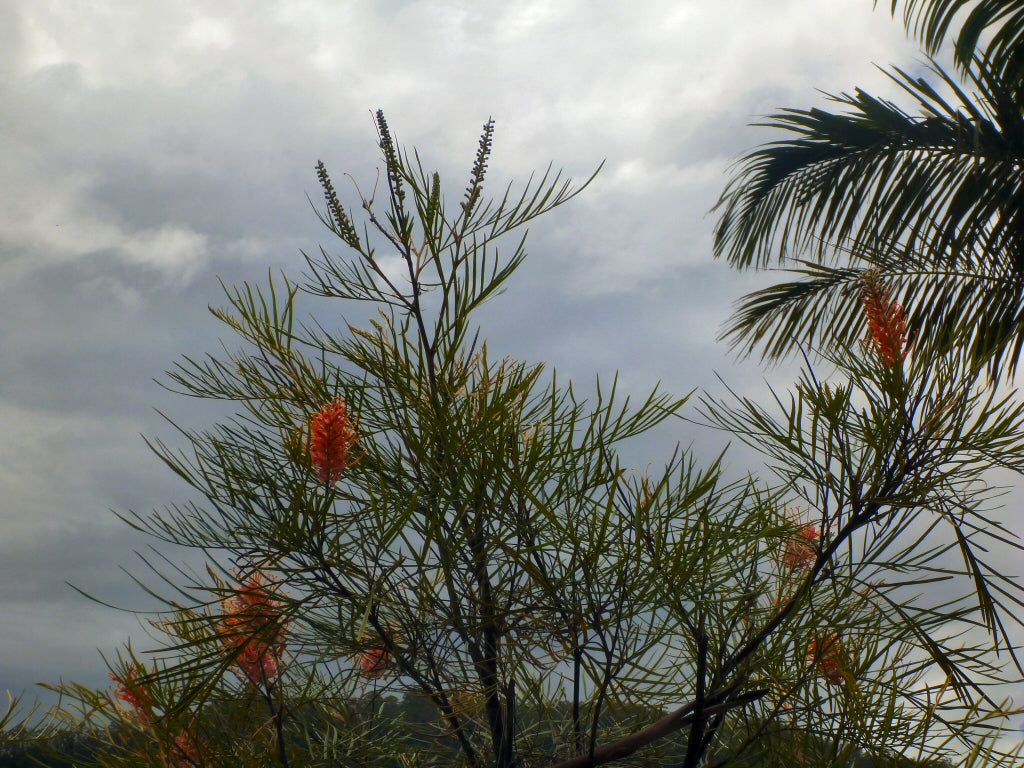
{"points": [[932, 198]]}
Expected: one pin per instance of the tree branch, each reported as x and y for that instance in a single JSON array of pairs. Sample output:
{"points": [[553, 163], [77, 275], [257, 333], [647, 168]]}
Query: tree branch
{"points": [[672, 722]]}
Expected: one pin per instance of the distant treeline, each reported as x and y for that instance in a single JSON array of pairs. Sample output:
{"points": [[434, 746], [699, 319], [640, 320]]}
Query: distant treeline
{"points": [[65, 750]]}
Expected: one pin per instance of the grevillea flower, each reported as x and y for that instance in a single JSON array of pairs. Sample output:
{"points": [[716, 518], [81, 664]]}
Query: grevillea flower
{"points": [[332, 433], [188, 750], [825, 654], [887, 323], [251, 627], [802, 549], [133, 693], [374, 662]]}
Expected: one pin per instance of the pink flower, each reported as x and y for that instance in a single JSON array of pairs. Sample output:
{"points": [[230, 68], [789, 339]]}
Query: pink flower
{"points": [[332, 433], [188, 750], [251, 627], [374, 662], [825, 654], [801, 550], [887, 324]]}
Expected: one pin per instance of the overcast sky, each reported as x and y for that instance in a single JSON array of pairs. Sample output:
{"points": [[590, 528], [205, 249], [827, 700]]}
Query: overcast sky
{"points": [[148, 148]]}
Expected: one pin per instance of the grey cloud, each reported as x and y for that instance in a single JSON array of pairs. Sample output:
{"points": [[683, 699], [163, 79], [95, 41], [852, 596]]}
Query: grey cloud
{"points": [[152, 147]]}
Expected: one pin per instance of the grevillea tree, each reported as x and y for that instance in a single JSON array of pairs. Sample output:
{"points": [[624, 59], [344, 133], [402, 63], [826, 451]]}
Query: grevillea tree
{"points": [[397, 509]]}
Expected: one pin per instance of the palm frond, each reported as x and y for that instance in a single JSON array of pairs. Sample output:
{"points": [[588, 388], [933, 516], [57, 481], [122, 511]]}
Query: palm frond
{"points": [[992, 28], [946, 179], [971, 306], [934, 200], [800, 312]]}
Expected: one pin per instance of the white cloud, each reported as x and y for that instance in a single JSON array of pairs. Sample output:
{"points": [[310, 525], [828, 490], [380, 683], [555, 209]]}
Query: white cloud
{"points": [[41, 226], [172, 250]]}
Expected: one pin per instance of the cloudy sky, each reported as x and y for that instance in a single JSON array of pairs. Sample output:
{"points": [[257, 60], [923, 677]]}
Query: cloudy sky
{"points": [[148, 148]]}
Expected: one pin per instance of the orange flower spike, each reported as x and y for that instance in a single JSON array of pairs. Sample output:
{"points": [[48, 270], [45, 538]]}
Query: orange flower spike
{"points": [[825, 654], [332, 432], [250, 626], [253, 602], [887, 322], [134, 694]]}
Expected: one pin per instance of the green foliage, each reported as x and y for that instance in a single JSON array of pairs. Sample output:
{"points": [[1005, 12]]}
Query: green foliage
{"points": [[394, 509]]}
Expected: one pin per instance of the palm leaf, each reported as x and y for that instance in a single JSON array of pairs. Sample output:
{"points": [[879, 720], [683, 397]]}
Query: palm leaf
{"points": [[973, 307], [947, 178], [934, 200], [1001, 22]]}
